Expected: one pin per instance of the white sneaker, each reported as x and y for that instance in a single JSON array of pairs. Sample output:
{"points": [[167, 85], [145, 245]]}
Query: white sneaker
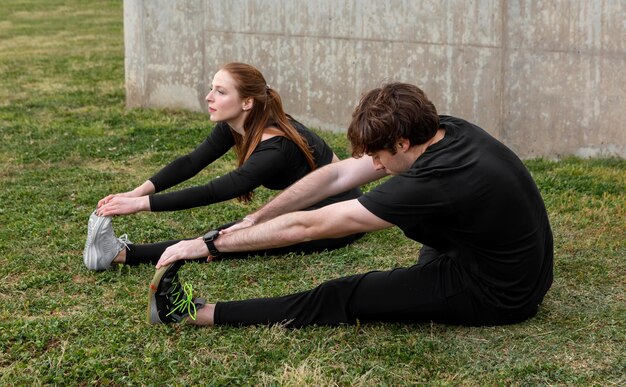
{"points": [[102, 246]]}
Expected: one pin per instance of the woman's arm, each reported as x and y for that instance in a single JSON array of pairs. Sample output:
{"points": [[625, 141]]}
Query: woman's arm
{"points": [[185, 167], [219, 142], [262, 165]]}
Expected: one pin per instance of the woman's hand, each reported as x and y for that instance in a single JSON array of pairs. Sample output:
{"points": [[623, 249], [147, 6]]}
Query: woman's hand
{"points": [[122, 205], [187, 249], [129, 194], [147, 188]]}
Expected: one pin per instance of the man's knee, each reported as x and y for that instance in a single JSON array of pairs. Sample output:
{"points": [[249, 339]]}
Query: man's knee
{"points": [[427, 255]]}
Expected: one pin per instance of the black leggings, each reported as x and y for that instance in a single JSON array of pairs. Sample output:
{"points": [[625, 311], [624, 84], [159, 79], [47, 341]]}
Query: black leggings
{"points": [[151, 252], [435, 289]]}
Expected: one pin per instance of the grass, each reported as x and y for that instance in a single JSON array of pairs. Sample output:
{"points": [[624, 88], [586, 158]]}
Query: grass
{"points": [[67, 140]]}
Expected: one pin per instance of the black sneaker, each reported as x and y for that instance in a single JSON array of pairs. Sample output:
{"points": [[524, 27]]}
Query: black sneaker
{"points": [[168, 300]]}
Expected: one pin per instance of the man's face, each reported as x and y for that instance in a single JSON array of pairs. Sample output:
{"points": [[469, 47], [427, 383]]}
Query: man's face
{"points": [[392, 164]]}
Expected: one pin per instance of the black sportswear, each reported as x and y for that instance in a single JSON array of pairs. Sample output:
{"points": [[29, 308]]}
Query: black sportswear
{"points": [[487, 257], [276, 163]]}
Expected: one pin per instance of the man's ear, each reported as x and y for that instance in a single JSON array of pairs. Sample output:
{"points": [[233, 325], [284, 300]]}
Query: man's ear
{"points": [[403, 144]]}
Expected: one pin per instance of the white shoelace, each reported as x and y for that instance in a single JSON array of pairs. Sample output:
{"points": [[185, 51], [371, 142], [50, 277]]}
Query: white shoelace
{"points": [[124, 240]]}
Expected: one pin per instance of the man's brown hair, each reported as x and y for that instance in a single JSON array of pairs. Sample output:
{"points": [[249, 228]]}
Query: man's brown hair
{"points": [[389, 113]]}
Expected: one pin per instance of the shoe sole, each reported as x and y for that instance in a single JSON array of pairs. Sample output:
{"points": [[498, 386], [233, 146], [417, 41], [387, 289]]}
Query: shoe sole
{"points": [[153, 314], [90, 253]]}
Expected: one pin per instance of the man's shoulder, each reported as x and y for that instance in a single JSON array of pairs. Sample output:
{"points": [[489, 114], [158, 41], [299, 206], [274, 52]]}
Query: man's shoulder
{"points": [[448, 122]]}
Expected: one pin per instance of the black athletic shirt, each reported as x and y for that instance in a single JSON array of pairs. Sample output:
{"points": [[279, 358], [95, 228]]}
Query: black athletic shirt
{"points": [[470, 197], [276, 163]]}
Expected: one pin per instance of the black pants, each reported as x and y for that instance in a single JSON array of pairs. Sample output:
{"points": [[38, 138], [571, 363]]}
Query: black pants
{"points": [[435, 289], [151, 252]]}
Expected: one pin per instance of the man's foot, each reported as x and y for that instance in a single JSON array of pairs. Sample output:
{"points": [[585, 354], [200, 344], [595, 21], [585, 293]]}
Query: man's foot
{"points": [[168, 300], [102, 246]]}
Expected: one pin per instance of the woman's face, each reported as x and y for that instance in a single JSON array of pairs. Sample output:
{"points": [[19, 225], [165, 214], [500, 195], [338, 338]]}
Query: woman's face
{"points": [[223, 100]]}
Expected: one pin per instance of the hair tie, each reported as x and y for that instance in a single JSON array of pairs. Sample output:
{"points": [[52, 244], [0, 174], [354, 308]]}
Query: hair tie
{"points": [[267, 95]]}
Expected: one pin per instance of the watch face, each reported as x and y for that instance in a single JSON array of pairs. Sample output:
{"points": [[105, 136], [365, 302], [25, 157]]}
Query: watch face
{"points": [[211, 235]]}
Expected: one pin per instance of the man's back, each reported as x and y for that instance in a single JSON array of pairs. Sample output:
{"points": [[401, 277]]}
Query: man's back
{"points": [[470, 197]]}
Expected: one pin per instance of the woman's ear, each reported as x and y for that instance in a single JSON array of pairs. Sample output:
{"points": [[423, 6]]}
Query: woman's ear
{"points": [[248, 104]]}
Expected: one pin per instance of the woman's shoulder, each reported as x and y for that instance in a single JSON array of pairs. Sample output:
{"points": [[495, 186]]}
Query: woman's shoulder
{"points": [[220, 136], [312, 137], [221, 130], [300, 127], [322, 152], [269, 133]]}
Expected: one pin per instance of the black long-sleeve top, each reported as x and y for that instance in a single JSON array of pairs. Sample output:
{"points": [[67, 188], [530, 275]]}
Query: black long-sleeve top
{"points": [[276, 163]]}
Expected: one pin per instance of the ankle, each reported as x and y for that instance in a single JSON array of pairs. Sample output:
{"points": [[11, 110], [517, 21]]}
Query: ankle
{"points": [[204, 316], [120, 258]]}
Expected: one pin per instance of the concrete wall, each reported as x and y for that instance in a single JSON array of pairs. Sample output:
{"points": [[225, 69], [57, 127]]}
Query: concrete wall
{"points": [[548, 78]]}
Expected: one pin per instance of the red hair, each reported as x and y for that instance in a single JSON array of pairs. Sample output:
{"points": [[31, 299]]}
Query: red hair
{"points": [[267, 110]]}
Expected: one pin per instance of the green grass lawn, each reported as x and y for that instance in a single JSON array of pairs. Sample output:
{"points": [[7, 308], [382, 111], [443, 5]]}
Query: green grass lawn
{"points": [[67, 140]]}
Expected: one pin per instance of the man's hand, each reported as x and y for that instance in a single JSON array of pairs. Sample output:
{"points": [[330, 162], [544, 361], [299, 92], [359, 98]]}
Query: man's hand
{"points": [[188, 249], [245, 223], [122, 205]]}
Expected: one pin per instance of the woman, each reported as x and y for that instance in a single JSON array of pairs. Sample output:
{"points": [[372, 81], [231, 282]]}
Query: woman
{"points": [[273, 150]]}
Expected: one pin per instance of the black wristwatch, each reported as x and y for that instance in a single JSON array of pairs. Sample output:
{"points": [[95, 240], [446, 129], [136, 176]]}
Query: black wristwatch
{"points": [[209, 239]]}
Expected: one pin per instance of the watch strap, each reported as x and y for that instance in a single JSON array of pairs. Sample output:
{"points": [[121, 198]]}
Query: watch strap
{"points": [[209, 240]]}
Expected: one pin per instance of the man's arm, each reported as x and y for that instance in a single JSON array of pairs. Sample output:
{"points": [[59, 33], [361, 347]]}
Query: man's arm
{"points": [[333, 221], [324, 182]]}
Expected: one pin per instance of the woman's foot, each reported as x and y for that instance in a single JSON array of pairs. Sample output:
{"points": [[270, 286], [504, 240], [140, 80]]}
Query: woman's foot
{"points": [[102, 246]]}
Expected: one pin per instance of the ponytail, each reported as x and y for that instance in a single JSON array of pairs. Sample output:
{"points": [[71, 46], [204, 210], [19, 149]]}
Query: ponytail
{"points": [[268, 111]]}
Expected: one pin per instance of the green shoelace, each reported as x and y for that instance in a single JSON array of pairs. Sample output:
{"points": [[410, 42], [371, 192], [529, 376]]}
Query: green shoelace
{"points": [[183, 301]]}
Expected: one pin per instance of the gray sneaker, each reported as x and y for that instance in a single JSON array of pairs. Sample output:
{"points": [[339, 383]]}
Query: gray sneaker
{"points": [[102, 246]]}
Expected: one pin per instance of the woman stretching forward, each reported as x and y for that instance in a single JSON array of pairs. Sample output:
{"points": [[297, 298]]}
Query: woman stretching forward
{"points": [[273, 150]]}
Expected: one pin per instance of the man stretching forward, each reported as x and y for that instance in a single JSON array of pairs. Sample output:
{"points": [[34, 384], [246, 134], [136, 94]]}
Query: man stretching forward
{"points": [[487, 253]]}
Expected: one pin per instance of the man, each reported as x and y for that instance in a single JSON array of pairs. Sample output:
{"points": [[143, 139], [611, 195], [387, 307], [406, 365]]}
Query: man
{"points": [[487, 257]]}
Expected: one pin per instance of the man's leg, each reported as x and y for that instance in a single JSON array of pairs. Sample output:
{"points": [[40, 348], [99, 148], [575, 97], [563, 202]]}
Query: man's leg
{"points": [[433, 291], [427, 254]]}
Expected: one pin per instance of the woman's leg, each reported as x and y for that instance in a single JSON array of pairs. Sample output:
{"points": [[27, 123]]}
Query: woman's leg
{"points": [[315, 246], [146, 253], [136, 254], [151, 252]]}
